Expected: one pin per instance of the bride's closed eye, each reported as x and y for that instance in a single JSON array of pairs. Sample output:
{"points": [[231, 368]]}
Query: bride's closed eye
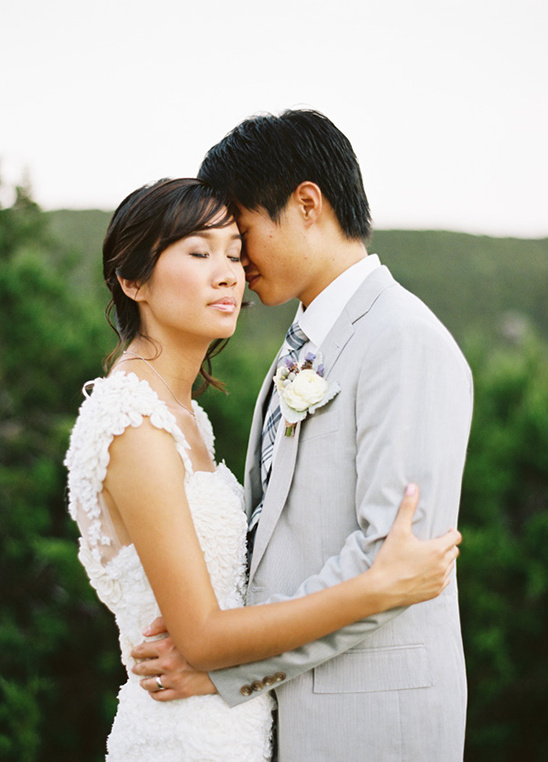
{"points": [[204, 255], [235, 251]]}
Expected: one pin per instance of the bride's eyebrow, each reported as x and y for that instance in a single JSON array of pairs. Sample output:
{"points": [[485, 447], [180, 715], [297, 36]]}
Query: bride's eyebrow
{"points": [[209, 234]]}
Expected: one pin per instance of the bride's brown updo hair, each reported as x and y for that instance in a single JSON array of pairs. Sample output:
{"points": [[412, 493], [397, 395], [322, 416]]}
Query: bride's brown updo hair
{"points": [[148, 221]]}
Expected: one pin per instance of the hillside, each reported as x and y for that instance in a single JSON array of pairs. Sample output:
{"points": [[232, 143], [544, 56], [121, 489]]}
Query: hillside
{"points": [[473, 283]]}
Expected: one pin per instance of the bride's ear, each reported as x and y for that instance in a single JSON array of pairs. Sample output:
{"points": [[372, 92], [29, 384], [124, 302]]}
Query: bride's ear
{"points": [[131, 288]]}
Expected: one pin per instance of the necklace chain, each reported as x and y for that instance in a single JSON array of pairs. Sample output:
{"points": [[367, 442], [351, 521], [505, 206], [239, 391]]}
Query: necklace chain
{"points": [[165, 383]]}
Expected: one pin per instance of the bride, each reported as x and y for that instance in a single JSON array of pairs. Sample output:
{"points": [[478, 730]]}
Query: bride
{"points": [[162, 525]]}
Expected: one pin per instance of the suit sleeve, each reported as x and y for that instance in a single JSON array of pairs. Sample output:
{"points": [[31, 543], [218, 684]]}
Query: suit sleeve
{"points": [[413, 407]]}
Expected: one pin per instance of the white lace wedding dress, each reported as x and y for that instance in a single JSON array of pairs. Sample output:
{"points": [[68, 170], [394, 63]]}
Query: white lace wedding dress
{"points": [[198, 729]]}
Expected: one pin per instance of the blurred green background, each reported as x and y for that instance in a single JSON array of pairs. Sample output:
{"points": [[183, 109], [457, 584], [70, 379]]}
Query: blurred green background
{"points": [[59, 667]]}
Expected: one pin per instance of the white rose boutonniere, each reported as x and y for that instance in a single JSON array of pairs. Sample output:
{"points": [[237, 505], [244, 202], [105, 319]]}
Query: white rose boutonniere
{"points": [[302, 389]]}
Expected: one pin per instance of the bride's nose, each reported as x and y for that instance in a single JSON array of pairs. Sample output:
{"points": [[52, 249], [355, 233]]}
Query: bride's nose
{"points": [[227, 274]]}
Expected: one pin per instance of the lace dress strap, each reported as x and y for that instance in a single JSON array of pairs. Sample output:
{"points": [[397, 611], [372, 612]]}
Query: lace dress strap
{"points": [[205, 427], [116, 402]]}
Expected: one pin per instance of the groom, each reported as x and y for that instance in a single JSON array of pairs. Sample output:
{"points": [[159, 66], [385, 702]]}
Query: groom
{"points": [[391, 687]]}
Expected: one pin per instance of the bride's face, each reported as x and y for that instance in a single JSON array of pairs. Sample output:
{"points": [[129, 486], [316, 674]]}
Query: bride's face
{"points": [[196, 287]]}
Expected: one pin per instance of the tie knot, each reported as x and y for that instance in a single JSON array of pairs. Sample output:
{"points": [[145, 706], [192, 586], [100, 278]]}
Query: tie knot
{"points": [[296, 337]]}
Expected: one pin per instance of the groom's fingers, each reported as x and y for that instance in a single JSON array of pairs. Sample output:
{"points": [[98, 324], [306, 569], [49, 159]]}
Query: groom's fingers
{"points": [[150, 684], [157, 627], [147, 650], [152, 649], [165, 694], [147, 668]]}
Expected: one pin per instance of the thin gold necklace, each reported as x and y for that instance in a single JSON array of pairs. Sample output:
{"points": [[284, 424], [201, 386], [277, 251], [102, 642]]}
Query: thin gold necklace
{"points": [[165, 383]]}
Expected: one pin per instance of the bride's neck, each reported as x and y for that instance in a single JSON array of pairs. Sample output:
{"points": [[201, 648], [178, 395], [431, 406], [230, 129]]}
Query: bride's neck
{"points": [[176, 371]]}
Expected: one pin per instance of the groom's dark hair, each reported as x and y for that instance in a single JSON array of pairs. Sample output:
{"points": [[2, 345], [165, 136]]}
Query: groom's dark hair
{"points": [[265, 158]]}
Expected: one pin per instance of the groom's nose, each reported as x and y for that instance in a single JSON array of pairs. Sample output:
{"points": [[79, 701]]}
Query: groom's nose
{"points": [[245, 259]]}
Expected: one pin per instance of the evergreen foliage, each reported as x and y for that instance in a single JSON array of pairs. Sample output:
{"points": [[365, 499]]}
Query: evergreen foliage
{"points": [[56, 641], [59, 667], [503, 571]]}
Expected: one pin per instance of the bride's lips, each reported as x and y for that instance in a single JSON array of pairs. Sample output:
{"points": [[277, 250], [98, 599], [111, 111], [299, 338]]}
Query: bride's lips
{"points": [[227, 304]]}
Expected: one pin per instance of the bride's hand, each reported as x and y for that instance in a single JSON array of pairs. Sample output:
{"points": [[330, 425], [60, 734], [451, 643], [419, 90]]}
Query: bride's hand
{"points": [[415, 570]]}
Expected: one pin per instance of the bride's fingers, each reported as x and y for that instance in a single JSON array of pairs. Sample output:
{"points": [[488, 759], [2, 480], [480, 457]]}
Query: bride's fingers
{"points": [[458, 537], [448, 574], [449, 560], [451, 564], [406, 511], [448, 542], [451, 554], [452, 537]]}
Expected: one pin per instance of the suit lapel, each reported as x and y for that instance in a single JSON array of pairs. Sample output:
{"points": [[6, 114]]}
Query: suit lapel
{"points": [[358, 306], [276, 495], [368, 293], [286, 456]]}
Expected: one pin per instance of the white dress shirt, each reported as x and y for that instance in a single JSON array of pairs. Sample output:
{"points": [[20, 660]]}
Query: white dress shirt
{"points": [[323, 312]]}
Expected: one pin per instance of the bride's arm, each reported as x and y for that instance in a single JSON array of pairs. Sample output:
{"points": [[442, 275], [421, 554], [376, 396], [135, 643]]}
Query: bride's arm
{"points": [[145, 479]]}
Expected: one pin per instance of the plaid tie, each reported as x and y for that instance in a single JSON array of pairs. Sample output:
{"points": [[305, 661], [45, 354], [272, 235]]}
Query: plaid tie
{"points": [[295, 338]]}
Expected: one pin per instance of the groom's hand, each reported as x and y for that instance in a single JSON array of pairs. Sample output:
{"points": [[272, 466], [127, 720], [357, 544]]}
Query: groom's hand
{"points": [[160, 658]]}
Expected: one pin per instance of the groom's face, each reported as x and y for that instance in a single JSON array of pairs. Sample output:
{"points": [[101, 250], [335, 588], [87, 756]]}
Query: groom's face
{"points": [[273, 257]]}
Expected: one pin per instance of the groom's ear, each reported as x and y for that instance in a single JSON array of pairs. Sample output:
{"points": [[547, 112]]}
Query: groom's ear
{"points": [[310, 202]]}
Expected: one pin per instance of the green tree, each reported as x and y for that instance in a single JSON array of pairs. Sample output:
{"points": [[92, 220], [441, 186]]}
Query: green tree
{"points": [[503, 570], [55, 639], [59, 663]]}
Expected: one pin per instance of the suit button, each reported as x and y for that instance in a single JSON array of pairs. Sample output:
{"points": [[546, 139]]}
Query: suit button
{"points": [[279, 677], [269, 680], [246, 690], [256, 685]]}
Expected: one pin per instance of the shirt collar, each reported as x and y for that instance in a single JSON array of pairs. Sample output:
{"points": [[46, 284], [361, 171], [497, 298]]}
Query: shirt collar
{"points": [[322, 313]]}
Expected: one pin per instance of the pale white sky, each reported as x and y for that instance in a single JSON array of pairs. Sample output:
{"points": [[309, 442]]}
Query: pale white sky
{"points": [[444, 101]]}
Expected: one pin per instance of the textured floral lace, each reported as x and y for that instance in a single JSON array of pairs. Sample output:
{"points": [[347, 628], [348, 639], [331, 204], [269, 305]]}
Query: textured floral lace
{"points": [[199, 729]]}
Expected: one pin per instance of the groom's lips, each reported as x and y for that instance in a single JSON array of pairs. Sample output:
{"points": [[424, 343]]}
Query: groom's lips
{"points": [[251, 278]]}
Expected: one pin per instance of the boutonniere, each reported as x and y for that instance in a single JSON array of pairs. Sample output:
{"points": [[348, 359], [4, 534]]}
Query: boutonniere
{"points": [[302, 389]]}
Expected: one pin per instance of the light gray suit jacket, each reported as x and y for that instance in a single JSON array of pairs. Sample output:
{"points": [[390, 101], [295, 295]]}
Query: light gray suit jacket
{"points": [[391, 688]]}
